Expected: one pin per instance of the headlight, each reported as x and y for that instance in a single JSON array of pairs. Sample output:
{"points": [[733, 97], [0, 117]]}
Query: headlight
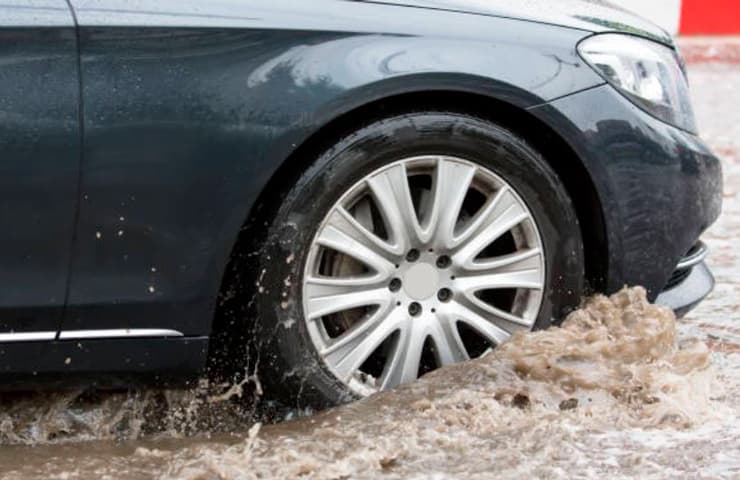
{"points": [[646, 72]]}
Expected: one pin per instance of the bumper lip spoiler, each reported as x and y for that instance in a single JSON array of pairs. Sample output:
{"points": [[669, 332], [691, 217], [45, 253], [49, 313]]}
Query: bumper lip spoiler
{"points": [[686, 295]]}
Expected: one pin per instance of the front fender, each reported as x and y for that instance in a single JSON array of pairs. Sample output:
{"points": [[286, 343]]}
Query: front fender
{"points": [[311, 84]]}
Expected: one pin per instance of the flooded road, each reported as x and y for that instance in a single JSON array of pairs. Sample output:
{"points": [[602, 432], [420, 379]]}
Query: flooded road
{"points": [[622, 390]]}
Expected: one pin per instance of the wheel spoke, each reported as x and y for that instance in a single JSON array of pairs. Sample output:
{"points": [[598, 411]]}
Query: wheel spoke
{"points": [[528, 279], [502, 213], [403, 363], [346, 235], [364, 216], [347, 354], [487, 327], [528, 258], [447, 342], [520, 270], [326, 295], [508, 321], [511, 321], [392, 195], [451, 184]]}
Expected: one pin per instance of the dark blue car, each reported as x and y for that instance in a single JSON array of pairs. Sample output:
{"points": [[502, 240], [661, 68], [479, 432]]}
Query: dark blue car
{"points": [[337, 195]]}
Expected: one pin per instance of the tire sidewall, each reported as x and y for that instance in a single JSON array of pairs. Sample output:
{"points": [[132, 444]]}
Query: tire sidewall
{"points": [[294, 367]]}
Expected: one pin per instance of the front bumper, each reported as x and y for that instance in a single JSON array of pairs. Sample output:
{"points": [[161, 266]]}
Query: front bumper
{"points": [[692, 290], [690, 282], [659, 188]]}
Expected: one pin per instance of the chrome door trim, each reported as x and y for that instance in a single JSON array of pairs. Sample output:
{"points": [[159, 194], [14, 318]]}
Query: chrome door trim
{"points": [[118, 333], [12, 337], [27, 336]]}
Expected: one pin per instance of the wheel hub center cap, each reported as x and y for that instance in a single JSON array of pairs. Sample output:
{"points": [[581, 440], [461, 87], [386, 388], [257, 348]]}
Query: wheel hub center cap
{"points": [[421, 281]]}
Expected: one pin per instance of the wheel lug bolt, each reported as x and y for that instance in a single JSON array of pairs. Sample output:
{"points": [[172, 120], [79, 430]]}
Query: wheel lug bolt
{"points": [[413, 255], [444, 295], [444, 261], [414, 309], [395, 285]]}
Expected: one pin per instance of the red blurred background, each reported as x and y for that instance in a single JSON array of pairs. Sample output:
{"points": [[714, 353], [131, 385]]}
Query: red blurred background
{"points": [[710, 17]]}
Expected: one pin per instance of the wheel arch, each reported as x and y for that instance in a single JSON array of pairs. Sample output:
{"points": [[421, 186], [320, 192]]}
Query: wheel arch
{"points": [[238, 284]]}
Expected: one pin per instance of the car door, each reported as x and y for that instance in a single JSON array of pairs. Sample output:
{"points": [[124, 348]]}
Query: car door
{"points": [[39, 164]]}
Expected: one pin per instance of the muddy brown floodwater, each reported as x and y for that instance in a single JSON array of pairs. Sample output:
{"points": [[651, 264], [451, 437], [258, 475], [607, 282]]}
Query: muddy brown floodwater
{"points": [[621, 390]]}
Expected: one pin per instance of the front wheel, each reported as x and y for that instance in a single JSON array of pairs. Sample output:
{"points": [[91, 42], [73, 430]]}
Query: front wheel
{"points": [[416, 242]]}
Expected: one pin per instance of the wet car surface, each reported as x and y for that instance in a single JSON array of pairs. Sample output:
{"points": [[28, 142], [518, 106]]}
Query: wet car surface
{"points": [[670, 414]]}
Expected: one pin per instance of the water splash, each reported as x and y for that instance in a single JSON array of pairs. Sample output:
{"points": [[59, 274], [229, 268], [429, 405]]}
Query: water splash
{"points": [[614, 363], [82, 415]]}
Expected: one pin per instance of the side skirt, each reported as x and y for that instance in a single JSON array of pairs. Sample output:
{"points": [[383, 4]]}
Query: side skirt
{"points": [[102, 363]]}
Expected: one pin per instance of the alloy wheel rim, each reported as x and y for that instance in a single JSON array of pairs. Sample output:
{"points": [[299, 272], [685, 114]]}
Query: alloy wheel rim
{"points": [[425, 262]]}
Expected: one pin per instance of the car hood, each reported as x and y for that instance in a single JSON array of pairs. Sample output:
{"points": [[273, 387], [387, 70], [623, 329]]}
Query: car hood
{"points": [[591, 15]]}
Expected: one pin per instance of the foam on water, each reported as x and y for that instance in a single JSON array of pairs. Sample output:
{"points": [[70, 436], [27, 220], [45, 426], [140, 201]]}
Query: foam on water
{"points": [[613, 364], [612, 382], [80, 415]]}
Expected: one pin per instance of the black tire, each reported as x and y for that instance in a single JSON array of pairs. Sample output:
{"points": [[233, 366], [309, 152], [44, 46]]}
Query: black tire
{"points": [[289, 365]]}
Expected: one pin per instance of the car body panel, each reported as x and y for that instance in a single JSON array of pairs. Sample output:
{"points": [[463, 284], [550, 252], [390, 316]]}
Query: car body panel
{"points": [[104, 363], [185, 126], [36, 14], [39, 165]]}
